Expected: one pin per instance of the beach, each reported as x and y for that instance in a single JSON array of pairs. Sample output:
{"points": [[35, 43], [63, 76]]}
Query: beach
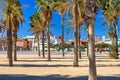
{"points": [[32, 67]]}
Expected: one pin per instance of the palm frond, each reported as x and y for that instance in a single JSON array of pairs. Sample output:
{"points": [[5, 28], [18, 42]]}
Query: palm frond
{"points": [[69, 30]]}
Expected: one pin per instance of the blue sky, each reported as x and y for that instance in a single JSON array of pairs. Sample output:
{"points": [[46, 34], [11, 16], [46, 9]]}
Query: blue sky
{"points": [[56, 30]]}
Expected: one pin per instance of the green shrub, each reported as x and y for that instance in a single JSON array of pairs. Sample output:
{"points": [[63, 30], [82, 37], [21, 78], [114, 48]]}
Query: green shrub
{"points": [[103, 45], [119, 45], [82, 48], [113, 53]]}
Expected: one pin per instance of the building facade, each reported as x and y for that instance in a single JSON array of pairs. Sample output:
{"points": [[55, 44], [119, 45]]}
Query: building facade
{"points": [[109, 41], [20, 44], [34, 47]]}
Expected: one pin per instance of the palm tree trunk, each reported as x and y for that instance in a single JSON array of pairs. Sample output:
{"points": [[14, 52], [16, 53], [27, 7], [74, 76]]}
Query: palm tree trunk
{"points": [[7, 44], [38, 40], [15, 40], [76, 40], [116, 40], [48, 36], [87, 43], [43, 45], [90, 14], [75, 47], [79, 50], [91, 57], [9, 39], [63, 36]]}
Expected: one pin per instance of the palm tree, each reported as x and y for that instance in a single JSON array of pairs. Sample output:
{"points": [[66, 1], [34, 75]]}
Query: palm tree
{"points": [[37, 26], [71, 28], [12, 18], [2, 26], [17, 19], [9, 13], [37, 32], [86, 28], [43, 48], [90, 19], [82, 11], [79, 49], [77, 11], [112, 34], [62, 7], [111, 10], [45, 7]]}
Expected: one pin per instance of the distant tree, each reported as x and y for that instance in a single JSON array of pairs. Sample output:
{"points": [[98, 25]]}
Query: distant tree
{"points": [[112, 35], [119, 45], [11, 10], [111, 11], [77, 13], [62, 7], [43, 45], [45, 7], [17, 19], [103, 45], [2, 27], [37, 26]]}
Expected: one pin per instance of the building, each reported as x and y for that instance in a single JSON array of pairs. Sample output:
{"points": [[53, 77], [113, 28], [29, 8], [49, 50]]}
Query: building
{"points": [[3, 44], [82, 42], [34, 42], [103, 38], [85, 42], [109, 41], [23, 44], [20, 44], [96, 38], [34, 47]]}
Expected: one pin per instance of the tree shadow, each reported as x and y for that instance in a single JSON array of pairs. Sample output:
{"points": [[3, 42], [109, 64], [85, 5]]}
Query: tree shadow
{"points": [[102, 57], [35, 65], [110, 65], [102, 65], [68, 59], [106, 60], [53, 60], [58, 65], [52, 77], [31, 60]]}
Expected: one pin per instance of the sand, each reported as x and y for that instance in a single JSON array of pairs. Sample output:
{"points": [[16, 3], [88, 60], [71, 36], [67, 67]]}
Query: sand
{"points": [[32, 67]]}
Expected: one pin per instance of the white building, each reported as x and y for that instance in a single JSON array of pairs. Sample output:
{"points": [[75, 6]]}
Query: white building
{"points": [[109, 41], [53, 40]]}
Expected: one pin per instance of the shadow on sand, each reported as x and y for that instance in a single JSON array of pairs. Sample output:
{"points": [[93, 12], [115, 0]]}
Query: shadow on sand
{"points": [[53, 60], [58, 65], [52, 77], [33, 65]]}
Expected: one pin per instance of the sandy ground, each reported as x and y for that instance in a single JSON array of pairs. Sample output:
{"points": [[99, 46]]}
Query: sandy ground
{"points": [[32, 67]]}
